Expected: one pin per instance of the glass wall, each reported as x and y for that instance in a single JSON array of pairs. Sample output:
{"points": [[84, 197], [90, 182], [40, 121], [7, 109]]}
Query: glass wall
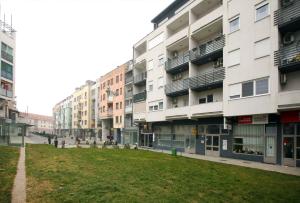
{"points": [[248, 139], [130, 137]]}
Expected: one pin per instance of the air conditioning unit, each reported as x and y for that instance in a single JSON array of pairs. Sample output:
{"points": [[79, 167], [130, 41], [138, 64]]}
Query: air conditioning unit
{"points": [[286, 3], [288, 39], [283, 79], [174, 100]]}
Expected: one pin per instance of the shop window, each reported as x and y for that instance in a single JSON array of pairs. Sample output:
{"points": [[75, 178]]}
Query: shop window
{"points": [[289, 129], [248, 139]]}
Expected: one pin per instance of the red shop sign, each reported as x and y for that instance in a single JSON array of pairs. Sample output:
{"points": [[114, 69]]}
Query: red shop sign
{"points": [[245, 119], [290, 117]]}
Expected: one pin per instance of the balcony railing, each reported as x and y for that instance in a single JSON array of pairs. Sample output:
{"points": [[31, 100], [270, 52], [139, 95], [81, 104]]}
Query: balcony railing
{"points": [[108, 113], [208, 51], [178, 63], [7, 56], [288, 14], [140, 78], [139, 97], [128, 79], [207, 80], [288, 57], [6, 93], [177, 88]]}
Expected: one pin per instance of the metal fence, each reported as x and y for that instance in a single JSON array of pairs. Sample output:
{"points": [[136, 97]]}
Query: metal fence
{"points": [[287, 13], [177, 61], [208, 78]]}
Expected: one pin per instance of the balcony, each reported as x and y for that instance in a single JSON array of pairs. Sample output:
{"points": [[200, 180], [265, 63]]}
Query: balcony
{"points": [[289, 100], [6, 93], [177, 88], [110, 99], [107, 114], [288, 58], [177, 113], [139, 97], [128, 79], [140, 79], [128, 95], [207, 109], [128, 109], [7, 56], [178, 64], [207, 52], [288, 17], [208, 80]]}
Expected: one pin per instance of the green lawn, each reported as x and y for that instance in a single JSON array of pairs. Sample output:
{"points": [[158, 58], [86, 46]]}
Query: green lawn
{"points": [[8, 168], [106, 175]]}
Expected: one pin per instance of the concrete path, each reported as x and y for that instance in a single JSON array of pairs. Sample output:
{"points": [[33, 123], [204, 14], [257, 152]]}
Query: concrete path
{"points": [[19, 188], [251, 164]]}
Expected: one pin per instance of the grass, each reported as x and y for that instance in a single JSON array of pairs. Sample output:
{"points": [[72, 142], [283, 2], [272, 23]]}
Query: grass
{"points": [[8, 168], [106, 175]]}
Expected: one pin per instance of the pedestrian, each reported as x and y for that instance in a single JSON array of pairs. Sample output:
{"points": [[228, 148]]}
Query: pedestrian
{"points": [[49, 139], [55, 141]]}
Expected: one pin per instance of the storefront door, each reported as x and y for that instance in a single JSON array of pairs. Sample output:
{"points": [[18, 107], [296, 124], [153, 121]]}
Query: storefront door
{"points": [[270, 144], [212, 145], [289, 151], [190, 144], [146, 140]]}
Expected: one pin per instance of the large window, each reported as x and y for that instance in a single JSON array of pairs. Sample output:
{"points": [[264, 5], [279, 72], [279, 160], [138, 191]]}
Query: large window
{"points": [[6, 52], [6, 70], [247, 89], [248, 139], [261, 11], [234, 24], [262, 86]]}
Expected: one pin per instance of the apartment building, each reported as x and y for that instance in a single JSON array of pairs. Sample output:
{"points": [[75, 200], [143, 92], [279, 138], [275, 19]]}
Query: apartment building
{"points": [[82, 124], [130, 129], [221, 78], [111, 104], [96, 122], [39, 123], [62, 114]]}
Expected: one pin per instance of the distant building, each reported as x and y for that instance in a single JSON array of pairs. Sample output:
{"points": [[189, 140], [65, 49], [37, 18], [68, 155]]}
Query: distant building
{"points": [[62, 115], [40, 123]]}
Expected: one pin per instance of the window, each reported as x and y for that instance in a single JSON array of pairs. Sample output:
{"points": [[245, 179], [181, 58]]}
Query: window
{"points": [[202, 100], [161, 60], [150, 108], [262, 48], [248, 139], [156, 40], [160, 82], [210, 98], [261, 11], [117, 119], [155, 108], [247, 89], [103, 97], [117, 105], [121, 77], [108, 82], [103, 108], [111, 81], [150, 65], [234, 24], [234, 57], [120, 119], [117, 79], [117, 92], [121, 91], [262, 86], [85, 112], [150, 86], [6, 70], [85, 122], [120, 105], [6, 52], [161, 105], [234, 91]]}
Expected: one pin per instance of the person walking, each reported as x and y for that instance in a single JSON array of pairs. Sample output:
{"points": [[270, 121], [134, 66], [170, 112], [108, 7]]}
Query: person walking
{"points": [[55, 141], [49, 139]]}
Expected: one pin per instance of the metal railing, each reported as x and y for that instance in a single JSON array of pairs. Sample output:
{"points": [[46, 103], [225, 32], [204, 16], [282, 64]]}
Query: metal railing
{"points": [[207, 48], [177, 61], [140, 77], [177, 86], [208, 78], [288, 13], [7, 56], [6, 93], [139, 97], [288, 55]]}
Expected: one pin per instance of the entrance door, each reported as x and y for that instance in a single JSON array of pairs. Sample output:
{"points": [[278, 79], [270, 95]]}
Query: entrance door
{"points": [[212, 145], [288, 150], [146, 140], [270, 149], [190, 144]]}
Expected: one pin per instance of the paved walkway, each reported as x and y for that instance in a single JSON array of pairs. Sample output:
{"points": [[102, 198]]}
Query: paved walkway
{"points": [[19, 188], [263, 166]]}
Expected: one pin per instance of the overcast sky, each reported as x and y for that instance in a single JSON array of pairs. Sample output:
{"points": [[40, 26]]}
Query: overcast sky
{"points": [[63, 43]]}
